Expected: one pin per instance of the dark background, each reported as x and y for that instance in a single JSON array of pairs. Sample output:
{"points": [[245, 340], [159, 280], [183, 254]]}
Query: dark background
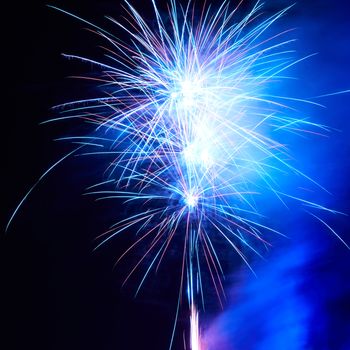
{"points": [[56, 292]]}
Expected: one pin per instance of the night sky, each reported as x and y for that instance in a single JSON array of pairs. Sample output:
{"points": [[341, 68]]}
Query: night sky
{"points": [[57, 293]]}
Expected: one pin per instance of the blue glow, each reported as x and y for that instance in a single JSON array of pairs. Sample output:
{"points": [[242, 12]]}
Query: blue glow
{"points": [[268, 311]]}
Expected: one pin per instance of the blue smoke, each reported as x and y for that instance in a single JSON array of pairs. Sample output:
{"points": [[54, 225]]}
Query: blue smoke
{"points": [[267, 311], [296, 302]]}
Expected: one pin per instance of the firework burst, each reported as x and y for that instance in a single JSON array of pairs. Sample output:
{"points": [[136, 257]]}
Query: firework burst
{"points": [[193, 132]]}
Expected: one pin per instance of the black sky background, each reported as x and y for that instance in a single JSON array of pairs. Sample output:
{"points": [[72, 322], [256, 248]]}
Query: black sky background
{"points": [[57, 293]]}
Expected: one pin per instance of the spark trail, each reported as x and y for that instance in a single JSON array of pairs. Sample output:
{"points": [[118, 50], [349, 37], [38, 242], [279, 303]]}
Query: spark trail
{"points": [[193, 131]]}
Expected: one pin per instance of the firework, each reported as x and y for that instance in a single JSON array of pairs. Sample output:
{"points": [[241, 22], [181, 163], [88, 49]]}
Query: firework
{"points": [[193, 128]]}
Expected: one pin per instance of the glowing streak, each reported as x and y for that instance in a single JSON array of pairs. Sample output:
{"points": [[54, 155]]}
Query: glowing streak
{"points": [[195, 336]]}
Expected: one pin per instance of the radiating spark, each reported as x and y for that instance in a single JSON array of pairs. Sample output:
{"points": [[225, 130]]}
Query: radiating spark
{"points": [[191, 200]]}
